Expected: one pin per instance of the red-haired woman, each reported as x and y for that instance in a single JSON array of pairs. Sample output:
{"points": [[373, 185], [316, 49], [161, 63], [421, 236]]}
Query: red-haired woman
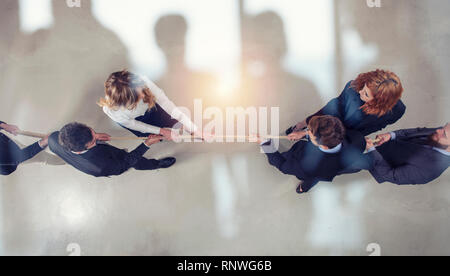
{"points": [[367, 104]]}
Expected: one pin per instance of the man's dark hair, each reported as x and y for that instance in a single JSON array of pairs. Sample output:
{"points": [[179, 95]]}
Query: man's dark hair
{"points": [[328, 130], [75, 136]]}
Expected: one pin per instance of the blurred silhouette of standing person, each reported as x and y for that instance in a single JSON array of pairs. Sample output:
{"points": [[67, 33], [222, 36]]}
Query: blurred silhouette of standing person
{"points": [[9, 32], [9, 28], [180, 82], [265, 82], [60, 70]]}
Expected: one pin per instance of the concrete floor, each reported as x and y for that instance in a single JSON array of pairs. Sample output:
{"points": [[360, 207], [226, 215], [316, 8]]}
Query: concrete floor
{"points": [[219, 199]]}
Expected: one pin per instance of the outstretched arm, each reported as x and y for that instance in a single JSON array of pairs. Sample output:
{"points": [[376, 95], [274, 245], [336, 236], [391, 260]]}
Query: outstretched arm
{"points": [[21, 155], [406, 174], [404, 133]]}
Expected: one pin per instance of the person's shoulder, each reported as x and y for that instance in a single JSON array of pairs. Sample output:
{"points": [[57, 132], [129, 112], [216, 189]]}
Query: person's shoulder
{"points": [[400, 107], [349, 90], [110, 111], [53, 139], [54, 144], [353, 134], [355, 139], [349, 84]]}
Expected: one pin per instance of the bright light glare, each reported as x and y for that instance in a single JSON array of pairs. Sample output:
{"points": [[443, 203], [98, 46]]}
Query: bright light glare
{"points": [[35, 15]]}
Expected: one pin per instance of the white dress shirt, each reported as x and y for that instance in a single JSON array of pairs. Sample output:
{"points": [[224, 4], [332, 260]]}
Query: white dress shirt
{"points": [[127, 117], [336, 149]]}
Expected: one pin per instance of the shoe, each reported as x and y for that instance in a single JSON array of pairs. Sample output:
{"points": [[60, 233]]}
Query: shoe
{"points": [[166, 163], [290, 130], [299, 187]]}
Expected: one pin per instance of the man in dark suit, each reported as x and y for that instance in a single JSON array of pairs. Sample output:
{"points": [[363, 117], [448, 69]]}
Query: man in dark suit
{"points": [[410, 156], [86, 150], [330, 150], [11, 155]]}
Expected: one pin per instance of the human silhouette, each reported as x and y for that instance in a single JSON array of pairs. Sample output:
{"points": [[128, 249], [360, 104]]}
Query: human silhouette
{"points": [[62, 69], [265, 81], [180, 82], [401, 32]]}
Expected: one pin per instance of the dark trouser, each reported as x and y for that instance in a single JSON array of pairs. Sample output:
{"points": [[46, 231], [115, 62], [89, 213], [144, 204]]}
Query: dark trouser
{"points": [[155, 117], [11, 155], [145, 164]]}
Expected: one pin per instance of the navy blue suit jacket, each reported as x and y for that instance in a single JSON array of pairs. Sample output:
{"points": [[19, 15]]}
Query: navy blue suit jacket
{"points": [[347, 107], [101, 161], [11, 155], [406, 160], [311, 165]]}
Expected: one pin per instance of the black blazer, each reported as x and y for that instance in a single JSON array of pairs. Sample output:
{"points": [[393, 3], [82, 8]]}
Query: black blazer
{"points": [[347, 107], [308, 163], [11, 155], [101, 161], [407, 159]]}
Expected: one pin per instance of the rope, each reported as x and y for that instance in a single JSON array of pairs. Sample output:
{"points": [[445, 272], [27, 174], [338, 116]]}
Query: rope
{"points": [[225, 137], [181, 137], [32, 134]]}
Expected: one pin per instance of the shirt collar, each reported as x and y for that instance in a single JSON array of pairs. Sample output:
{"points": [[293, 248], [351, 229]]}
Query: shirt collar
{"points": [[444, 152], [333, 150], [80, 153]]}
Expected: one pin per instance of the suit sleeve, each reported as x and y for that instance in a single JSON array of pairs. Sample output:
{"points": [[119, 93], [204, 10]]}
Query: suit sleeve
{"points": [[335, 107], [397, 115], [25, 154], [404, 133], [392, 118], [129, 161], [406, 174]]}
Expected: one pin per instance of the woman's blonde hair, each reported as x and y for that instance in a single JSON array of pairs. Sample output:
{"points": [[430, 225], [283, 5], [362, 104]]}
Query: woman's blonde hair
{"points": [[121, 90]]}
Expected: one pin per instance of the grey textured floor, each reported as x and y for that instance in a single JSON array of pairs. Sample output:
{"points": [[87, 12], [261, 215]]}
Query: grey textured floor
{"points": [[218, 199]]}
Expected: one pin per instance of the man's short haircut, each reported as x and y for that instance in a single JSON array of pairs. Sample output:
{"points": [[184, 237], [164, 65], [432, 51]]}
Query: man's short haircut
{"points": [[75, 136], [328, 130]]}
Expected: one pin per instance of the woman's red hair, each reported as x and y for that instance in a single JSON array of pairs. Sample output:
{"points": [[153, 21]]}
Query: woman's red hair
{"points": [[386, 89]]}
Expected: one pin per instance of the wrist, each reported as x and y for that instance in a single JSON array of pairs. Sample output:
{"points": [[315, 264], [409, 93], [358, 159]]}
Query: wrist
{"points": [[393, 135], [42, 144]]}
